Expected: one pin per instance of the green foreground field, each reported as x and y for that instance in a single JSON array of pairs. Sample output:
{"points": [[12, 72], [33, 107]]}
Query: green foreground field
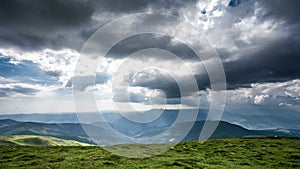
{"points": [[221, 153]]}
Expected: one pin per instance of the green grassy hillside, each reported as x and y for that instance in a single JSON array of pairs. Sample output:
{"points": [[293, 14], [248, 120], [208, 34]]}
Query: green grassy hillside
{"points": [[221, 153], [29, 140]]}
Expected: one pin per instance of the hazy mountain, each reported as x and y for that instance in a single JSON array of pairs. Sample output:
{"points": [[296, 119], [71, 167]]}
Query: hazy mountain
{"points": [[43, 118], [167, 116], [255, 121], [75, 131], [72, 131]]}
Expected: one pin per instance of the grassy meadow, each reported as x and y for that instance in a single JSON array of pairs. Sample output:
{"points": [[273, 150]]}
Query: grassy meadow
{"points": [[30, 140], [260, 152]]}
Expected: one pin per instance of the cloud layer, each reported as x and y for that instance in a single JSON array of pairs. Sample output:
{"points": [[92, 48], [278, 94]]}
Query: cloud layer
{"points": [[257, 41]]}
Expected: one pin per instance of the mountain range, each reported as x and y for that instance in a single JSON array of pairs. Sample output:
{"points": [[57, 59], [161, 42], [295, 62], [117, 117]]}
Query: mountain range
{"points": [[75, 131]]}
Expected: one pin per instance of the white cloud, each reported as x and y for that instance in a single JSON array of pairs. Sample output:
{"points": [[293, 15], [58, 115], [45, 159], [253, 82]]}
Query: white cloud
{"points": [[267, 94], [259, 99], [285, 104], [62, 61], [283, 89], [238, 30], [206, 12], [280, 93]]}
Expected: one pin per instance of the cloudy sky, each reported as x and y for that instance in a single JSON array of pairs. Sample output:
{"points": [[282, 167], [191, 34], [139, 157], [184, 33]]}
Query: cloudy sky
{"points": [[257, 41]]}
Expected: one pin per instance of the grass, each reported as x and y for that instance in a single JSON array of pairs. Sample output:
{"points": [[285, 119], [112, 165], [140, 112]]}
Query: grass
{"points": [[220, 153], [29, 140]]}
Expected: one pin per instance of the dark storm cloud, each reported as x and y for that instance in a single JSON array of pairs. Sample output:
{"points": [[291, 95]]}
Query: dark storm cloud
{"points": [[272, 61], [276, 62], [287, 10], [235, 3], [149, 40], [129, 6], [56, 24], [170, 87], [44, 13], [158, 80], [42, 24]]}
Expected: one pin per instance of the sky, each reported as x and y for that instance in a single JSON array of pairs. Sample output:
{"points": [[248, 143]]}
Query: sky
{"points": [[256, 41]]}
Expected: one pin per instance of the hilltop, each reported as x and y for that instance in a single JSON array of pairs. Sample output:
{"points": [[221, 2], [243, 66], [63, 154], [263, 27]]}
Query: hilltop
{"points": [[30, 140]]}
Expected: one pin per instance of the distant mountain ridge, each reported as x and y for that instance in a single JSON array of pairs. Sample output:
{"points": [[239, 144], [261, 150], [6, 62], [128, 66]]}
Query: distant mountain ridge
{"points": [[75, 131], [72, 117], [70, 131], [42, 118], [253, 122]]}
